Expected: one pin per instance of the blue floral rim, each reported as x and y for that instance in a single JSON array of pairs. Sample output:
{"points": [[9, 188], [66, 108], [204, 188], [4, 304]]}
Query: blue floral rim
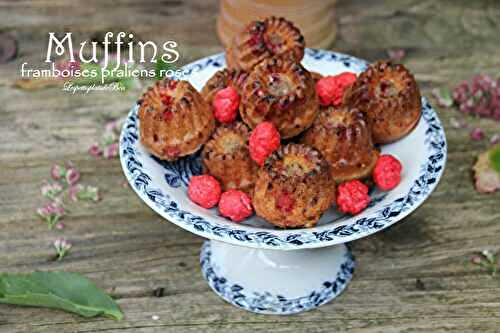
{"points": [[265, 302], [166, 205]]}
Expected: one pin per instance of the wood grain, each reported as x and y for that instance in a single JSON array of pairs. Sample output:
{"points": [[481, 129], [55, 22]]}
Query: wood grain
{"points": [[414, 277]]}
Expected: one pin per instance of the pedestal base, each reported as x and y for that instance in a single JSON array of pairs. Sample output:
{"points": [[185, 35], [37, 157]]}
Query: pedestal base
{"points": [[276, 282]]}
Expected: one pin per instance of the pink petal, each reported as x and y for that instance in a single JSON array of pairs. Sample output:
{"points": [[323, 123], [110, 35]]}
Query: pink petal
{"points": [[94, 150], [72, 176], [477, 134], [495, 139], [396, 54], [56, 171]]}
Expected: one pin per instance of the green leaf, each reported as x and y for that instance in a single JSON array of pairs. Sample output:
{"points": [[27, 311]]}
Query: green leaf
{"points": [[70, 292], [162, 65], [495, 158]]}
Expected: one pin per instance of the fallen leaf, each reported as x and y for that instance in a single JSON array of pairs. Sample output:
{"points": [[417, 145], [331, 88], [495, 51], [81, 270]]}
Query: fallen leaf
{"points": [[71, 292], [487, 171]]}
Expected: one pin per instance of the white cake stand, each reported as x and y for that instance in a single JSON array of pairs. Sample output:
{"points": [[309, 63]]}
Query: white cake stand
{"points": [[264, 269]]}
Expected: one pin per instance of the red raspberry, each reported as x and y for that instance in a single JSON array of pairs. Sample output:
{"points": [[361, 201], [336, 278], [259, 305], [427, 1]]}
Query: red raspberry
{"points": [[226, 103], [330, 89], [172, 151], [387, 172], [264, 139], [204, 190], [235, 205], [285, 202], [352, 197]]}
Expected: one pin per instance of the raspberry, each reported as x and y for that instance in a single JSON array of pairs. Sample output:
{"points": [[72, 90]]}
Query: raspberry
{"points": [[167, 115], [264, 139], [285, 202], [204, 190], [172, 151], [235, 205], [352, 197], [226, 103], [330, 89], [387, 172]]}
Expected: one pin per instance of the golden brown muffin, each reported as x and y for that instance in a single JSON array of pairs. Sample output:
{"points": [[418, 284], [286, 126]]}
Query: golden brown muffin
{"points": [[316, 76], [175, 120], [294, 188], [343, 137], [261, 40], [389, 96], [281, 91], [223, 79], [226, 157]]}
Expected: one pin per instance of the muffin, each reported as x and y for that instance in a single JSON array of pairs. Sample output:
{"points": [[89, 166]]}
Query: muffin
{"points": [[226, 157], [390, 98], [262, 40], [223, 79], [294, 188], [281, 91], [175, 120], [316, 76], [343, 137]]}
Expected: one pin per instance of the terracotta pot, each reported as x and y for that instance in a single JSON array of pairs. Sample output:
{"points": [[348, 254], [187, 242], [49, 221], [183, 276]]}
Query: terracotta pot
{"points": [[315, 18]]}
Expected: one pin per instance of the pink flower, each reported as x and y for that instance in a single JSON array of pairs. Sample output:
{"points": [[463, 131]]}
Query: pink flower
{"points": [[72, 176], [55, 209], [73, 192], [476, 260], [67, 68], [477, 134], [111, 126], [396, 54], [51, 191], [111, 151], [457, 123], [495, 139], [94, 150], [51, 213], [57, 171], [60, 226], [62, 247]]}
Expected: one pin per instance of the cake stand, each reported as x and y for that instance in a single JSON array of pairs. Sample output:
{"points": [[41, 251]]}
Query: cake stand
{"points": [[268, 270]]}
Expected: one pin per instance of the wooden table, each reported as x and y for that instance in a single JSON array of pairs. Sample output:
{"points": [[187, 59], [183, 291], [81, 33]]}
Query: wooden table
{"points": [[414, 277]]}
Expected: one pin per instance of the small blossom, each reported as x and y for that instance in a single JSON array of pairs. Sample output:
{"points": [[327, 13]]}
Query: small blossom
{"points": [[111, 151], [477, 134], [457, 123], [476, 260], [73, 192], [51, 190], [57, 172], [443, 97], [62, 247], [72, 176], [82, 192], [51, 213], [495, 139], [486, 259], [95, 150], [60, 226], [489, 255], [111, 126], [396, 54]]}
